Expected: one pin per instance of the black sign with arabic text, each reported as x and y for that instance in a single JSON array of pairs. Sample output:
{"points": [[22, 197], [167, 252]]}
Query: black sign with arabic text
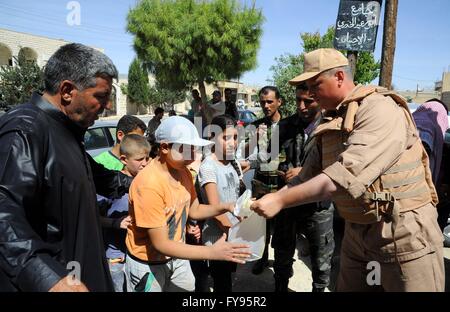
{"points": [[357, 25]]}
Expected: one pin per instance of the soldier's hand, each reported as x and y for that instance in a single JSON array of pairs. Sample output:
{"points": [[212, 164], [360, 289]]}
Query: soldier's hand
{"points": [[291, 173], [268, 206]]}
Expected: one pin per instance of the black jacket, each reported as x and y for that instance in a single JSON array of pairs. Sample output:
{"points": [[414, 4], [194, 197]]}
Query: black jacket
{"points": [[290, 134], [49, 221], [292, 139]]}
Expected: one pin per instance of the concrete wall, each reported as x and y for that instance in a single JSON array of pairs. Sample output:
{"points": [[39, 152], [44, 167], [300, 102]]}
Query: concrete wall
{"points": [[446, 89], [36, 47], [40, 49], [419, 97]]}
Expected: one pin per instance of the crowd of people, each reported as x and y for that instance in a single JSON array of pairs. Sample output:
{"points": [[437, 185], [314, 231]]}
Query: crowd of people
{"points": [[143, 217]]}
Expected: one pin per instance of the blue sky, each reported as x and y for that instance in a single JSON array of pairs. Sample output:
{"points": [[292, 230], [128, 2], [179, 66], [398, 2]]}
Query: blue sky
{"points": [[423, 32]]}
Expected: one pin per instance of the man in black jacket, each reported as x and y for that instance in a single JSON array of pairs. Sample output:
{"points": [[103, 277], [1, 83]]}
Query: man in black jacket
{"points": [[50, 233], [315, 220]]}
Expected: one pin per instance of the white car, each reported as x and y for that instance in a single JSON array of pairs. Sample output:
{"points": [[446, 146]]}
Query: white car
{"points": [[100, 137], [240, 104]]}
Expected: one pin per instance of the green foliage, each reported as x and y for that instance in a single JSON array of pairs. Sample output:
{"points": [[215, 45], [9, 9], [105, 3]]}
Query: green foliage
{"points": [[124, 88], [187, 42], [289, 66], [138, 86], [17, 83], [314, 41], [367, 69], [165, 98]]}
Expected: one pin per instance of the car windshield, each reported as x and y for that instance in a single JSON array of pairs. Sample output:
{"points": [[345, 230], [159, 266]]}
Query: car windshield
{"points": [[246, 115]]}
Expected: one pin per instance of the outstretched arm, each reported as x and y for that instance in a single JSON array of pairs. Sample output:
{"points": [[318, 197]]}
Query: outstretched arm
{"points": [[221, 250], [201, 212], [317, 189]]}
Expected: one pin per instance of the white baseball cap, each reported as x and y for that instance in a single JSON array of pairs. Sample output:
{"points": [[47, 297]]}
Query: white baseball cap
{"points": [[179, 130]]}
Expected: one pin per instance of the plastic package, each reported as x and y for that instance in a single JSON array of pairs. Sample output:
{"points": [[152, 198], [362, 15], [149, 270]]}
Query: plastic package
{"points": [[251, 230]]}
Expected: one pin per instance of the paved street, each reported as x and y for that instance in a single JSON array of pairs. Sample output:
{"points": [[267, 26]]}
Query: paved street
{"points": [[245, 281]]}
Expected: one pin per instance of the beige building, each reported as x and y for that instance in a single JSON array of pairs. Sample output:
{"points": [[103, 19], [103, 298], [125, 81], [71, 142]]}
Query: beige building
{"points": [[36, 48], [419, 97], [40, 48], [443, 87], [246, 93]]}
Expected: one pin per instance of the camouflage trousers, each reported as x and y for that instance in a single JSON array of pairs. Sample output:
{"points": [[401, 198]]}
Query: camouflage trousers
{"points": [[317, 225]]}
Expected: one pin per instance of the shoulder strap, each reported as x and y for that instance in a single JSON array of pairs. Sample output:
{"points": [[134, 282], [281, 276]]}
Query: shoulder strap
{"points": [[355, 99]]}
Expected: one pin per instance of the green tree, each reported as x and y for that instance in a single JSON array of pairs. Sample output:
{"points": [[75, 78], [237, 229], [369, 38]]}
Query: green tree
{"points": [[124, 88], [188, 42], [288, 66], [138, 85], [165, 98], [18, 82]]}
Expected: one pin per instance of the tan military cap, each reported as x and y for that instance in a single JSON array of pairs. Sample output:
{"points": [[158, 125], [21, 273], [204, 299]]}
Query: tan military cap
{"points": [[319, 61]]}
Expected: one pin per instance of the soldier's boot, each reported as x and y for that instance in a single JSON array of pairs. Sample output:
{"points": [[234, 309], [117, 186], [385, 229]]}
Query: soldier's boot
{"points": [[281, 284]]}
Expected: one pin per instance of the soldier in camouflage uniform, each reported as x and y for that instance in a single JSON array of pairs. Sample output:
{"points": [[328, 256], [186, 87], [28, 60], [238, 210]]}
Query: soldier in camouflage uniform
{"points": [[314, 220]]}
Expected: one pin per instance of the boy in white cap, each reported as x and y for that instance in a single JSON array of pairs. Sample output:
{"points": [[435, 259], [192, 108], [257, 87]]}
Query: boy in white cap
{"points": [[161, 198]]}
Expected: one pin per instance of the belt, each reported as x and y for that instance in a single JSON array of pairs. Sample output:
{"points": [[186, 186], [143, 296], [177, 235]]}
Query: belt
{"points": [[148, 262], [116, 260], [268, 179]]}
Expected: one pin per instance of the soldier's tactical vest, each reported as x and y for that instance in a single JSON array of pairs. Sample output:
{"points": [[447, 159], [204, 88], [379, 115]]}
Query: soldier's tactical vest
{"points": [[405, 186]]}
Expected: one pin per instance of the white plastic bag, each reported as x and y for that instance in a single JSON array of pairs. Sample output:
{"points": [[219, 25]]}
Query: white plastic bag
{"points": [[251, 231]]}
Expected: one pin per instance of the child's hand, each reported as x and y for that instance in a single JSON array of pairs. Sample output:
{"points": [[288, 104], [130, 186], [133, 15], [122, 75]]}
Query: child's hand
{"points": [[125, 223], [229, 207], [223, 250], [194, 230], [292, 173], [245, 165]]}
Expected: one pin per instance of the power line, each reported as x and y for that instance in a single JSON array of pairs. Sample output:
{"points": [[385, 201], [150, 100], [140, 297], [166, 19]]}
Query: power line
{"points": [[32, 30], [58, 23], [412, 79], [47, 17]]}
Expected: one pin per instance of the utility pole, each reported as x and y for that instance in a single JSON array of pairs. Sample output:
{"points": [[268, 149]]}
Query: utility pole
{"points": [[352, 57], [389, 40]]}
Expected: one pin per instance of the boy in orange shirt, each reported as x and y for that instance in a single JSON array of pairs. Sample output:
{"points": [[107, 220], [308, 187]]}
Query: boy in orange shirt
{"points": [[161, 198]]}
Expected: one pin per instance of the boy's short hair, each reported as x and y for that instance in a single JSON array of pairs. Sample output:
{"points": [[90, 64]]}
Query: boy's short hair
{"points": [[159, 110], [133, 144], [129, 123]]}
